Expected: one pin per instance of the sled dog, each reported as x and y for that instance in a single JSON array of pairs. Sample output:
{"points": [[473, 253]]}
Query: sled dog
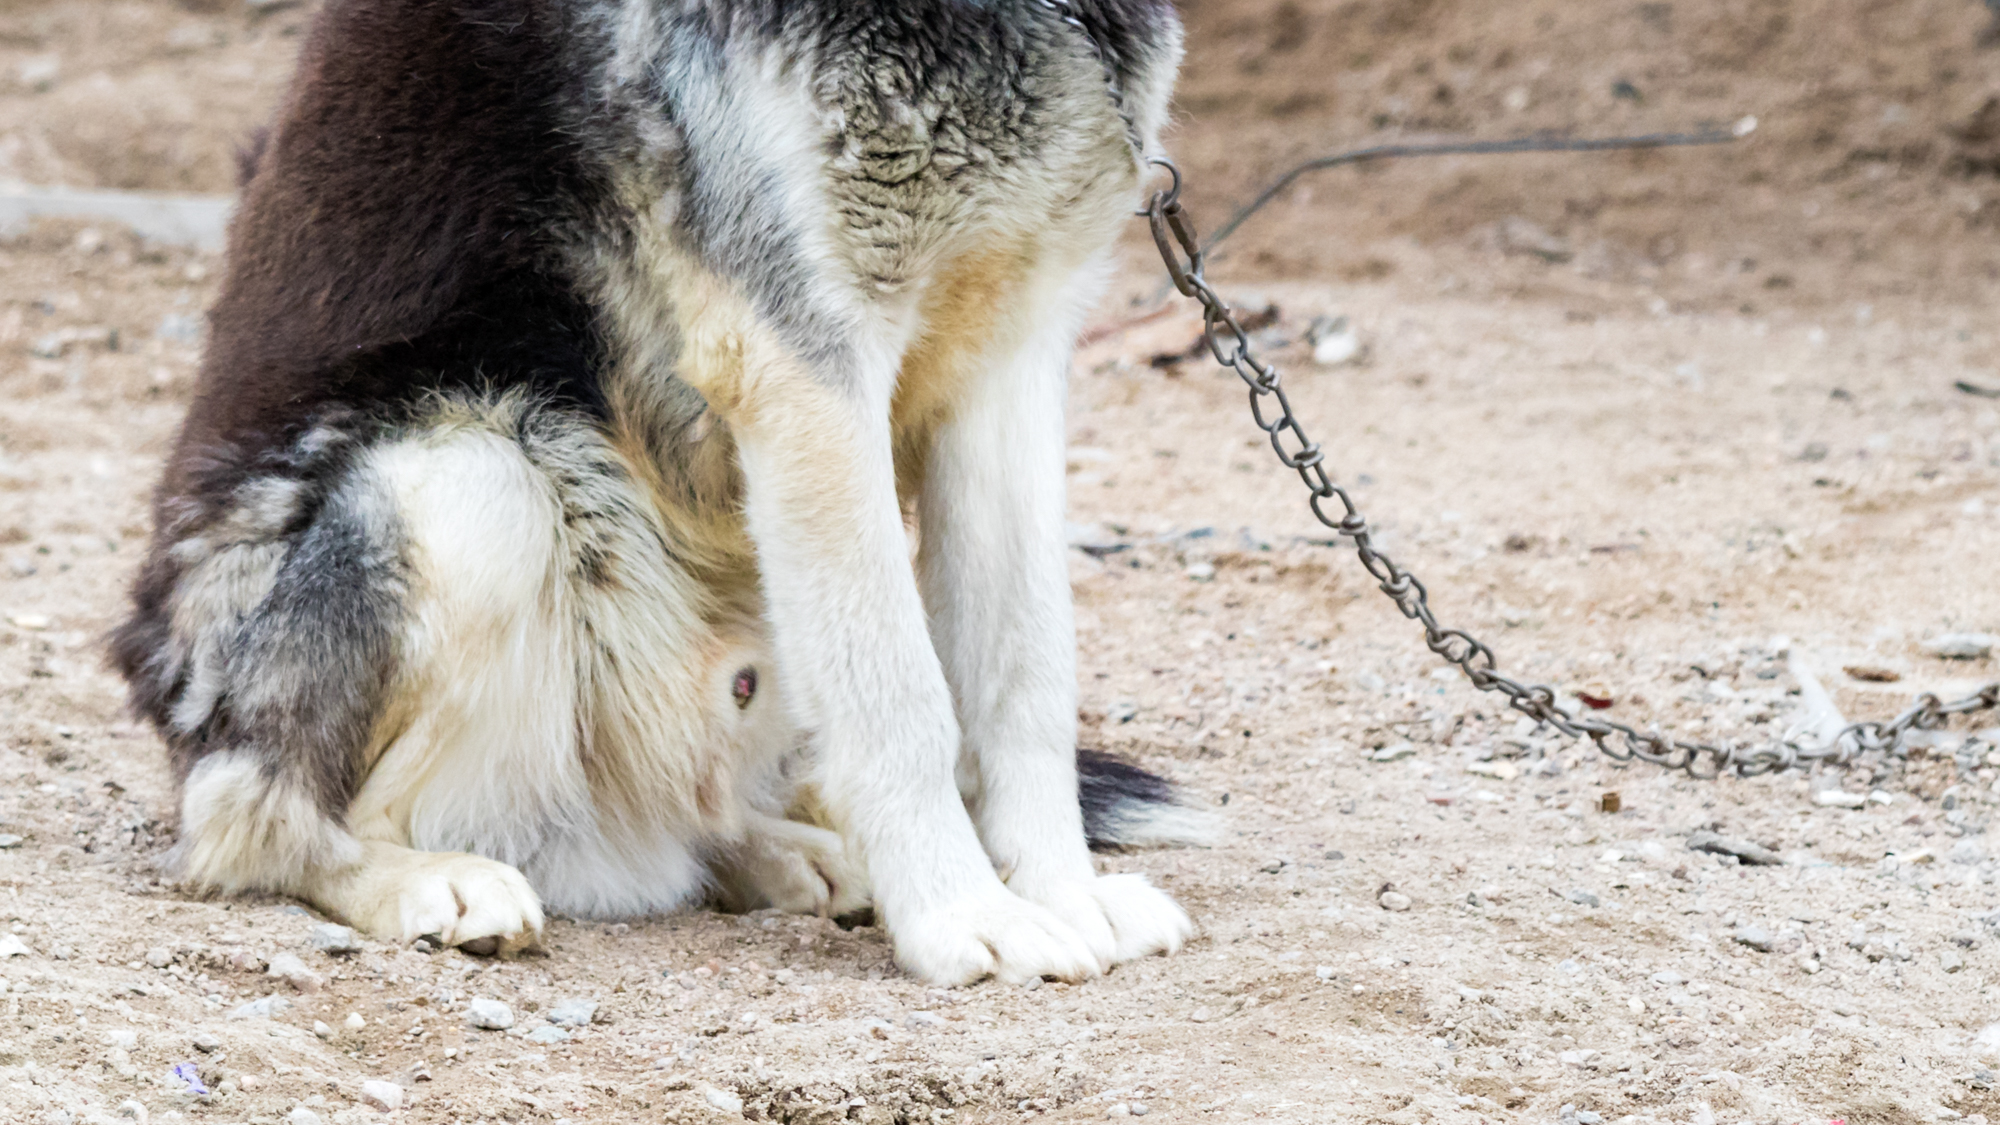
{"points": [[627, 468]]}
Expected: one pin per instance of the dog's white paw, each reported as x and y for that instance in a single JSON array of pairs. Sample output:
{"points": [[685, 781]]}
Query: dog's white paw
{"points": [[398, 894], [1121, 917], [797, 868], [991, 933]]}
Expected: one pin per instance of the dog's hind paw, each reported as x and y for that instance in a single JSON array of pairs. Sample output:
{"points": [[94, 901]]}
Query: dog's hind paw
{"points": [[399, 894], [1121, 917], [993, 932]]}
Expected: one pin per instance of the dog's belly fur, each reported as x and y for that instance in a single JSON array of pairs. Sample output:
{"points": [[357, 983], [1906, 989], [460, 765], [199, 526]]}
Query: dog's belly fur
{"points": [[580, 371]]}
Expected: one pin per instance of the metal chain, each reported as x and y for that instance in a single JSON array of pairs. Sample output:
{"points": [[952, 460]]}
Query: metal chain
{"points": [[1173, 233]]}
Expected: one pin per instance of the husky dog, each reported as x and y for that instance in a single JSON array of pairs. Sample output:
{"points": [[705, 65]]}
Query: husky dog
{"points": [[628, 467]]}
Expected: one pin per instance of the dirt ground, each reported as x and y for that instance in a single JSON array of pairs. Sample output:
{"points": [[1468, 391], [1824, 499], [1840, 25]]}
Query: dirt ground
{"points": [[1677, 429]]}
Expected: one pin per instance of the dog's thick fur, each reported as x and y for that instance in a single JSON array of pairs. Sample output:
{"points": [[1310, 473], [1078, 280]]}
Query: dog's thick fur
{"points": [[541, 531]]}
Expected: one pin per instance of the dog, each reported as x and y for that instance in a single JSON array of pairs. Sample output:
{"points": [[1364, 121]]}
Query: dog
{"points": [[627, 468]]}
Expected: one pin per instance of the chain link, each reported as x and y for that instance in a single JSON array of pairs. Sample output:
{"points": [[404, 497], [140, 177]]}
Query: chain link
{"points": [[1271, 409]]}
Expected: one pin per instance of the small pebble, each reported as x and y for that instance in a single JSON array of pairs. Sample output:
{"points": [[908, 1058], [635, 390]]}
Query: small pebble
{"points": [[300, 1115], [924, 1021], [320, 1029], [333, 939], [1950, 646], [1950, 961], [1118, 1109], [136, 1110], [1839, 799], [722, 1100], [1582, 897], [548, 1034], [354, 1022], [489, 1015], [1138, 1109], [385, 1096], [1394, 900], [574, 1012], [159, 957], [267, 1008], [205, 1041], [9, 840], [290, 969], [1756, 937], [1668, 978]]}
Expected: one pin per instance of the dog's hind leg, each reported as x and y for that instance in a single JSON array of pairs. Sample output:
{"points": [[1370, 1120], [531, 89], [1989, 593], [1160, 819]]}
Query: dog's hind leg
{"points": [[996, 581]]}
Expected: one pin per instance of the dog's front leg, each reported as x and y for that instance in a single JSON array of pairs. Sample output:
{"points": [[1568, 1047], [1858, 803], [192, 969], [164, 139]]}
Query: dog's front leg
{"points": [[997, 582], [853, 644]]}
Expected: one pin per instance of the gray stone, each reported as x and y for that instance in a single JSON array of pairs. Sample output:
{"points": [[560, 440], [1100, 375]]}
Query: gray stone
{"points": [[333, 939], [288, 968], [9, 840], [1960, 646], [573, 1012], [489, 1015], [1702, 840], [159, 957], [1756, 937], [722, 1101], [267, 1008], [385, 1096], [1950, 961], [548, 1034], [1582, 897], [1668, 978], [206, 1041]]}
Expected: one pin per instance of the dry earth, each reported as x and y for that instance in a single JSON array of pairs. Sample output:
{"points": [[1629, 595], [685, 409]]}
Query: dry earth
{"points": [[1636, 419]]}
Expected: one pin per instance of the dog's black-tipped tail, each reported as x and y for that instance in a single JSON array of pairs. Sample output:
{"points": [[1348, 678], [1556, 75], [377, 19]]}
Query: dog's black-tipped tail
{"points": [[1127, 807]]}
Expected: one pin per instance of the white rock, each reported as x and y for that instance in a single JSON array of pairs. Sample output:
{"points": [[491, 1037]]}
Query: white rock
{"points": [[334, 939], [206, 1042], [489, 1015], [293, 971], [1578, 1058], [11, 945], [134, 1109], [1393, 753], [1668, 978], [924, 1021], [122, 1039], [320, 1029], [1839, 799], [722, 1101], [1950, 646], [159, 957], [1986, 1044], [300, 1115], [9, 840], [1395, 901], [548, 1035], [574, 1012], [385, 1096], [1499, 770], [267, 1008], [354, 1022]]}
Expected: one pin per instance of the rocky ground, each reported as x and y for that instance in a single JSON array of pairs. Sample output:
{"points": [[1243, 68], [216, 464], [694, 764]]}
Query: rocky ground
{"points": [[1684, 433]]}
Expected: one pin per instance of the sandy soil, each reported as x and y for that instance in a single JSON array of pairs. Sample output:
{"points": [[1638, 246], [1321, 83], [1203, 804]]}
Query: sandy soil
{"points": [[1669, 428]]}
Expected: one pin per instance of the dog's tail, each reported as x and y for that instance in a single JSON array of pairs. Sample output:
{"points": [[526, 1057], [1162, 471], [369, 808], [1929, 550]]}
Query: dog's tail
{"points": [[1128, 807]]}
